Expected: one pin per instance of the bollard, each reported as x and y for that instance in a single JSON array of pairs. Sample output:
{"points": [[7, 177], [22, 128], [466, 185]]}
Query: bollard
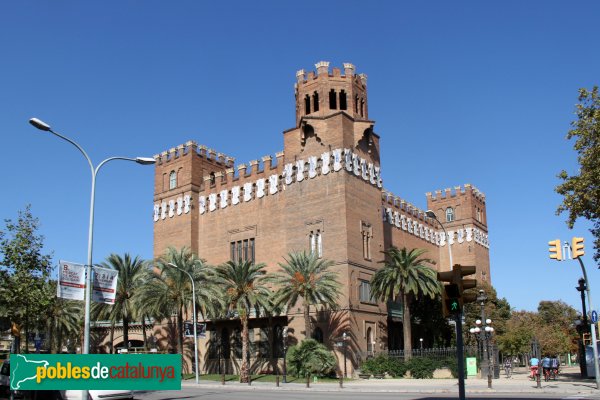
{"points": [[341, 381], [308, 380], [222, 379]]}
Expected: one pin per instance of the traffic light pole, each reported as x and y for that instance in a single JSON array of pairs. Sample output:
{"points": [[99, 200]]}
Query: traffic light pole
{"points": [[592, 325], [460, 356]]}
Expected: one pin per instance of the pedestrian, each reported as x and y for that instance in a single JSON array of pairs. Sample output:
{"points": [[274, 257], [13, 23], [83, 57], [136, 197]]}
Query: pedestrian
{"points": [[507, 366]]}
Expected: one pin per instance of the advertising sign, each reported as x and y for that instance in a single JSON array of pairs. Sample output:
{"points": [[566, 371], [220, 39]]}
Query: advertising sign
{"points": [[71, 281], [188, 329], [104, 286], [95, 371]]}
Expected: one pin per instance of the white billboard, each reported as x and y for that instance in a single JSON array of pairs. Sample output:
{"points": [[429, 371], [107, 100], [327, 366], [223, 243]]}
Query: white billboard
{"points": [[104, 286], [71, 281]]}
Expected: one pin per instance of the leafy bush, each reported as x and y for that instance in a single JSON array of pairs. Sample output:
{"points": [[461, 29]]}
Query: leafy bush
{"points": [[422, 367], [376, 365], [310, 358]]}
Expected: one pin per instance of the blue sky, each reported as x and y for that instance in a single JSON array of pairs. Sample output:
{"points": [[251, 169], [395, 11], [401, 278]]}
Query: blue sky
{"points": [[461, 92]]}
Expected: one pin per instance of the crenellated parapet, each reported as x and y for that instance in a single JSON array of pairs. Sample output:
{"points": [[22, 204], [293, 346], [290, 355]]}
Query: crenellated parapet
{"points": [[466, 189], [409, 218], [191, 147], [262, 180]]}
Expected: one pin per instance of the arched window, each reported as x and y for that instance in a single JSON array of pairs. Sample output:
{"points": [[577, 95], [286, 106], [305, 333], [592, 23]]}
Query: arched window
{"points": [[343, 101], [172, 180], [318, 335], [316, 101], [449, 214], [315, 241], [307, 104], [332, 100], [369, 341]]}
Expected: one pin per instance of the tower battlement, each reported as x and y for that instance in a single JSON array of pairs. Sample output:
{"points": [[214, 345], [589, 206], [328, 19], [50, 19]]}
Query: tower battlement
{"points": [[193, 147], [324, 93], [466, 189]]}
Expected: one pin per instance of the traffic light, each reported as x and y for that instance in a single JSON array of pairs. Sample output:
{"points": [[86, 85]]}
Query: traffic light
{"points": [[555, 250], [453, 296], [577, 247]]}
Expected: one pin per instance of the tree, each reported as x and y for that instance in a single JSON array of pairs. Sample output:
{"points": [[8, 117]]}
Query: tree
{"points": [[243, 284], [405, 274], [130, 277], [520, 331], [167, 290], [558, 333], [306, 276], [24, 270], [581, 192]]}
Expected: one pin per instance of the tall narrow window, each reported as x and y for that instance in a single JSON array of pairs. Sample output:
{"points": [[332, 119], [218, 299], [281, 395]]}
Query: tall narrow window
{"points": [[242, 250], [369, 341], [316, 101], [172, 180], [251, 250], [356, 104], [332, 100], [316, 243], [225, 347], [362, 107], [245, 249], [319, 244], [343, 101], [307, 104], [367, 235], [449, 214], [364, 289]]}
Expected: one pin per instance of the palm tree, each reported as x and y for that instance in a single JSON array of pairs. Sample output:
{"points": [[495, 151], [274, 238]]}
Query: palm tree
{"points": [[243, 284], [307, 276], [130, 272], [62, 321], [168, 290], [406, 275]]}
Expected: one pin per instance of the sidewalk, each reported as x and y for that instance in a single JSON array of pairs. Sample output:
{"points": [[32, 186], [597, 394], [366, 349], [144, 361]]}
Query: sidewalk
{"points": [[567, 383]]}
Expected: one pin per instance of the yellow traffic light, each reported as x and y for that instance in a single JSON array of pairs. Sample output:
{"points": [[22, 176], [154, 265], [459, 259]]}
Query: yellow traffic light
{"points": [[577, 247], [555, 250]]}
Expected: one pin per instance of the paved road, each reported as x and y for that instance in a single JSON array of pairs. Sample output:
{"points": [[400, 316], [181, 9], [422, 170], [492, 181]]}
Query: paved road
{"points": [[567, 386]]}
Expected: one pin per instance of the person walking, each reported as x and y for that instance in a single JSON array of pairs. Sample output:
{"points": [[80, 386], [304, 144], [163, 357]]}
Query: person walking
{"points": [[507, 366]]}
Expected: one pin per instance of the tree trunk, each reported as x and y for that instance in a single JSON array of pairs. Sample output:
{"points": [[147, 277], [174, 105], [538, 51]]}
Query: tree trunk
{"points": [[406, 328], [307, 322], [144, 336], [112, 337], [244, 376], [126, 332]]}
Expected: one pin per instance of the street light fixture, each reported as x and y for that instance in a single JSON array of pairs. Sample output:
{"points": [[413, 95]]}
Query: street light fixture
{"points": [[41, 125], [483, 333], [194, 321], [285, 333]]}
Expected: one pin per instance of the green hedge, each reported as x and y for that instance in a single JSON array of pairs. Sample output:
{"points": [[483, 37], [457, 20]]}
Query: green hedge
{"points": [[419, 367]]}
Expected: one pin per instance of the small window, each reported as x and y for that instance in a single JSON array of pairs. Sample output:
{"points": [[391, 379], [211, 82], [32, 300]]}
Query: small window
{"points": [[449, 214], [367, 235], [356, 104], [172, 180], [365, 292], [242, 250], [318, 334], [369, 341], [343, 101], [316, 243], [332, 100], [307, 104], [316, 101], [225, 346]]}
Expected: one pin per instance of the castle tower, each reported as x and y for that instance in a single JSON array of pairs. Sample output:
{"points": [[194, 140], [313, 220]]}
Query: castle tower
{"points": [[331, 112], [462, 211], [179, 175]]}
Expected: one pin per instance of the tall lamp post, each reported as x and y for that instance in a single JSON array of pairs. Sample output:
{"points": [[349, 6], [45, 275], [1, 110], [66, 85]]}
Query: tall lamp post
{"points": [[88, 280], [194, 321], [285, 333], [483, 333], [458, 319], [344, 342]]}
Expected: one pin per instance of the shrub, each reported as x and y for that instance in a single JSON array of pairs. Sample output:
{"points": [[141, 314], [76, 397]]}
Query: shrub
{"points": [[422, 367], [310, 358], [376, 365]]}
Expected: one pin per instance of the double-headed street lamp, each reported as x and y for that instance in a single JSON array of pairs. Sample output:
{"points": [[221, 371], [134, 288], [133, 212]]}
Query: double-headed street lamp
{"points": [[483, 333], [194, 321], [88, 280]]}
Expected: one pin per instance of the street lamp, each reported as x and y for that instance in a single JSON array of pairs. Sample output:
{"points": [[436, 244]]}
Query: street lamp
{"points": [[285, 333], [432, 215], [88, 280], [421, 342], [483, 333], [344, 339], [193, 317]]}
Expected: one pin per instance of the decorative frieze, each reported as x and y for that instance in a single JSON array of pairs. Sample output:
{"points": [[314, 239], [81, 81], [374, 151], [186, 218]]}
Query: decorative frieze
{"points": [[298, 171]]}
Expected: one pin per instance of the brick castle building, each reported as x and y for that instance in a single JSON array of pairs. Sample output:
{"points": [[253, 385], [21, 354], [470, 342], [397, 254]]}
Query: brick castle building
{"points": [[322, 193]]}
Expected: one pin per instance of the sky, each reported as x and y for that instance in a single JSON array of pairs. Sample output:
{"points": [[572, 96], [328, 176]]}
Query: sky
{"points": [[461, 92]]}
